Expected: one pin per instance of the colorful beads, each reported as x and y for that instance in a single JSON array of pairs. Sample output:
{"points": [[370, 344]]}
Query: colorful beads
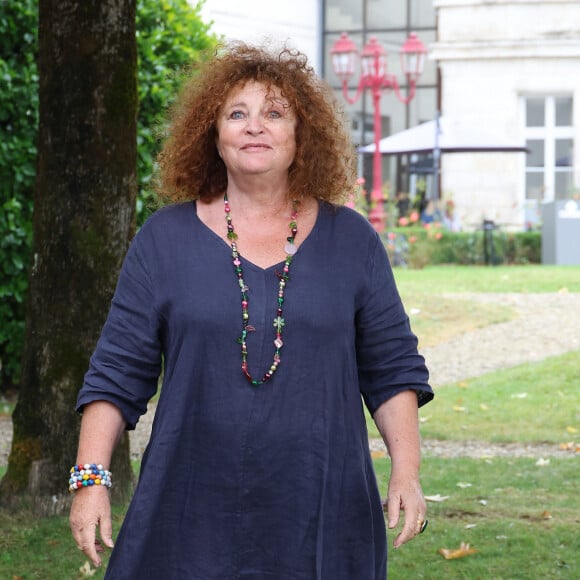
{"points": [[88, 475], [290, 249]]}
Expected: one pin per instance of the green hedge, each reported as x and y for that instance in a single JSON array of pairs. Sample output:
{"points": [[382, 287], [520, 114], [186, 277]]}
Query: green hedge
{"points": [[18, 129], [524, 248], [417, 247]]}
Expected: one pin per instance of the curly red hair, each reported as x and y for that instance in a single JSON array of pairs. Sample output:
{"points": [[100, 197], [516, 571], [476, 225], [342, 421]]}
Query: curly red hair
{"points": [[189, 165]]}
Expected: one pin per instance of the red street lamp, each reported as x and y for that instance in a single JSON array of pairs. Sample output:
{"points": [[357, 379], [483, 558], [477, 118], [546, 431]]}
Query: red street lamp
{"points": [[374, 76]]}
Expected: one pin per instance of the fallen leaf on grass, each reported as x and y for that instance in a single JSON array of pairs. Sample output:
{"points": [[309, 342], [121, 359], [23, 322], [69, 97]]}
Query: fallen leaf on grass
{"points": [[570, 446], [470, 526], [461, 552], [520, 396], [463, 484], [542, 462], [484, 407], [436, 498], [546, 515], [424, 419], [458, 409], [571, 429], [378, 454]]}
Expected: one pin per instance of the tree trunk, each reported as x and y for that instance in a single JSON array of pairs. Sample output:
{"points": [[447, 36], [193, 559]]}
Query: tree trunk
{"points": [[84, 208]]}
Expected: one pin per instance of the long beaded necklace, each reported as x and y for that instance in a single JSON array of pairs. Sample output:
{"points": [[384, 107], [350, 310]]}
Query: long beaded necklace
{"points": [[279, 323]]}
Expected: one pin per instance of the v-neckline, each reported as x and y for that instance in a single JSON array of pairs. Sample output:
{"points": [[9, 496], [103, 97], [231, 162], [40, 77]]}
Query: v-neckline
{"points": [[245, 260]]}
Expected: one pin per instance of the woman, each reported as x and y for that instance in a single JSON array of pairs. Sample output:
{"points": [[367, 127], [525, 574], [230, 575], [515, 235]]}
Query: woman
{"points": [[273, 310]]}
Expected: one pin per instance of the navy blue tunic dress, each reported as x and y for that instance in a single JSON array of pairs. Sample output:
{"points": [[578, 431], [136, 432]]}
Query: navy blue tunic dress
{"points": [[245, 482]]}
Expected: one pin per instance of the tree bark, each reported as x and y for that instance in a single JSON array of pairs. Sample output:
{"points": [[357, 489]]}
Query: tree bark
{"points": [[84, 215]]}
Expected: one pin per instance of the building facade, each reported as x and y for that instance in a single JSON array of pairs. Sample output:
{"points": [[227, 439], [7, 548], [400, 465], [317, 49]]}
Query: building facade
{"points": [[513, 67]]}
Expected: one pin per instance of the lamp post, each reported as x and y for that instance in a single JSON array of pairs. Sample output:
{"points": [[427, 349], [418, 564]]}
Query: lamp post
{"points": [[374, 76]]}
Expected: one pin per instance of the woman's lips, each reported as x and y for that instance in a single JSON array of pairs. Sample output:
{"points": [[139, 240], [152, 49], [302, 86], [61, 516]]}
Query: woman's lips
{"points": [[251, 146]]}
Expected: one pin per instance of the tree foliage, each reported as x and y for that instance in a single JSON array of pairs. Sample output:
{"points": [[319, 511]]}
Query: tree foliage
{"points": [[18, 128], [170, 35]]}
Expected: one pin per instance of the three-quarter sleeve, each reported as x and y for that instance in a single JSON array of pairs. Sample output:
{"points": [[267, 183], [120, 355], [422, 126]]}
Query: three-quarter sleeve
{"points": [[125, 366], [387, 355]]}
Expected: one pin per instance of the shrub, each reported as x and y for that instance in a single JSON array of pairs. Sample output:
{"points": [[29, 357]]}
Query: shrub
{"points": [[170, 36], [456, 248], [524, 248], [417, 247]]}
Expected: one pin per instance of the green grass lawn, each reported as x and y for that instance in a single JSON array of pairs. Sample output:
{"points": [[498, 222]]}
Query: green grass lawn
{"points": [[440, 279], [436, 318], [44, 549], [522, 518], [534, 402]]}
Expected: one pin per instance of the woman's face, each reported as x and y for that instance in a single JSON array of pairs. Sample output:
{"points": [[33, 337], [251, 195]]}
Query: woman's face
{"points": [[256, 132]]}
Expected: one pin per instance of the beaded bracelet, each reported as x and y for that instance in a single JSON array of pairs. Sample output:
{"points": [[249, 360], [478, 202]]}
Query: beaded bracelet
{"points": [[87, 475]]}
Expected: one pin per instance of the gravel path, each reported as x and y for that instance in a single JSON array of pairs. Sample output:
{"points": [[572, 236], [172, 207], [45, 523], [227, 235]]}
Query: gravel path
{"points": [[546, 325]]}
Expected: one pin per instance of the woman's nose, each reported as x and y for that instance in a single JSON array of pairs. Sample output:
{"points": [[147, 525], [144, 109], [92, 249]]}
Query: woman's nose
{"points": [[255, 124]]}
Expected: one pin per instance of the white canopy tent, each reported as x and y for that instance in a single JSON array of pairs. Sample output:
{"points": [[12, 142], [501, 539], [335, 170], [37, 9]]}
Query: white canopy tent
{"points": [[449, 136], [443, 135]]}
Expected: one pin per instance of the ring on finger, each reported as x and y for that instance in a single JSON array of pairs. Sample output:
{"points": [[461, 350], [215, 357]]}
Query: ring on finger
{"points": [[422, 525]]}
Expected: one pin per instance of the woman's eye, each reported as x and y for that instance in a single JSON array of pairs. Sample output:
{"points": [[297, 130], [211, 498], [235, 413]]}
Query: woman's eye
{"points": [[274, 114], [236, 115]]}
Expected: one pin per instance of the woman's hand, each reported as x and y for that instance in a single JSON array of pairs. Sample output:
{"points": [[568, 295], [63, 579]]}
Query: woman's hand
{"points": [[405, 494], [101, 427], [90, 510]]}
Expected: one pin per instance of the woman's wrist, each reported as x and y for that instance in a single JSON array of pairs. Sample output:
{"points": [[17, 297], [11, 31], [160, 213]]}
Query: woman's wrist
{"points": [[88, 475]]}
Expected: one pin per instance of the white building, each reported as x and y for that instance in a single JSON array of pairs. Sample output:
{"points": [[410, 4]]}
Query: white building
{"points": [[513, 67]]}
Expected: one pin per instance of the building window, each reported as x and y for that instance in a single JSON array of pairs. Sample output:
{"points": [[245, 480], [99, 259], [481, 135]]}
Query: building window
{"points": [[343, 15], [549, 138]]}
